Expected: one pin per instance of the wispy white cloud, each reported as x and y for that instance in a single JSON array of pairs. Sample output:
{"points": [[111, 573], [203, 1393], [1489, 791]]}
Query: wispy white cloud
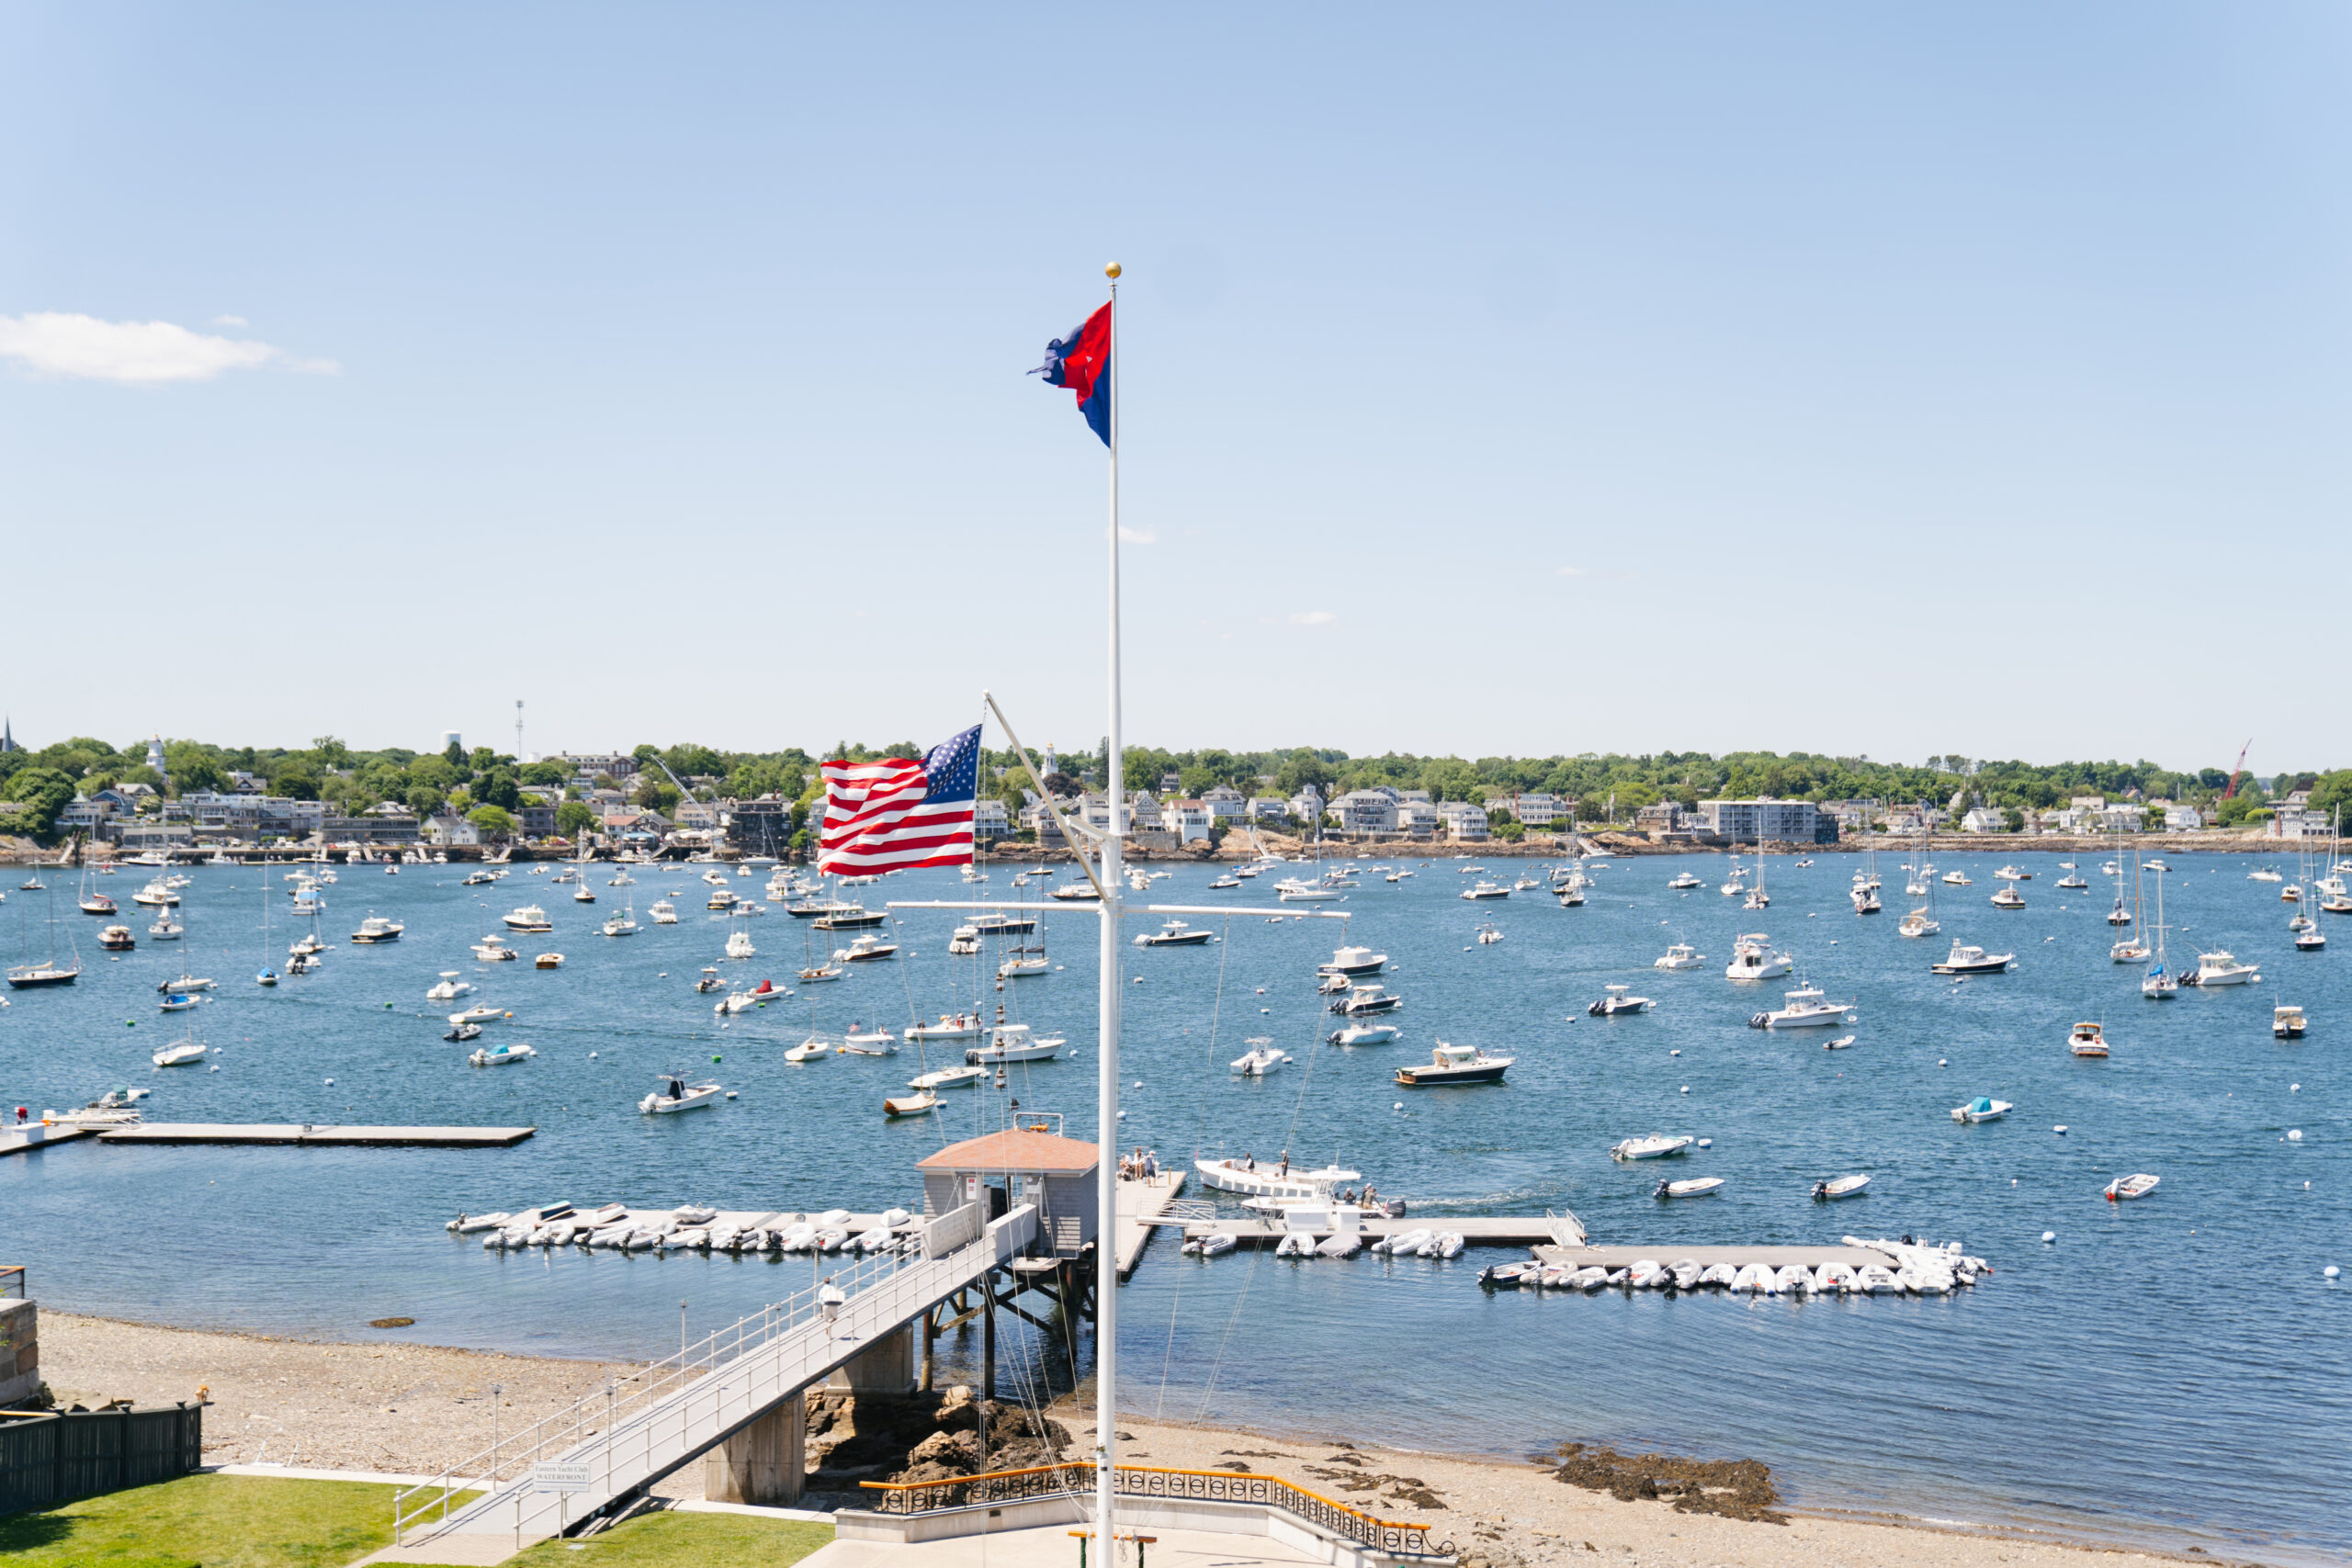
{"points": [[65, 344], [1576, 571], [230, 322], [1312, 617], [1138, 536]]}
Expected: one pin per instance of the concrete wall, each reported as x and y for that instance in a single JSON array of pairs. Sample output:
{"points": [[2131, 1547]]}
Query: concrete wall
{"points": [[19, 1352], [763, 1464]]}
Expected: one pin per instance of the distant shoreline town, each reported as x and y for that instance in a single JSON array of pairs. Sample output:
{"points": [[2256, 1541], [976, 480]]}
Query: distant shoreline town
{"points": [[179, 798]]}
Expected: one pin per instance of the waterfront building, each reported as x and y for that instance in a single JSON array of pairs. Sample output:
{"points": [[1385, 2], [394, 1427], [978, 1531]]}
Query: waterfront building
{"points": [[990, 820], [2293, 822], [1535, 808], [1307, 806], [389, 823], [1142, 812], [763, 826], [1463, 820], [1665, 817], [447, 830], [1269, 808], [1368, 811], [1225, 803], [1025, 1165], [586, 765], [2183, 818], [89, 813], [1985, 819], [1417, 818], [1775, 821], [1170, 783], [1188, 819]]}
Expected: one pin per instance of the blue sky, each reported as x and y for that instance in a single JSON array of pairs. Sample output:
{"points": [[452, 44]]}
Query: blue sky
{"points": [[1839, 378]]}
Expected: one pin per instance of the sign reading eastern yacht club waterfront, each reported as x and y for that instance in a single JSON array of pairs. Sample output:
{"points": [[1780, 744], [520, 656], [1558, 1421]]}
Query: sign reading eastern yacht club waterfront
{"points": [[895, 812]]}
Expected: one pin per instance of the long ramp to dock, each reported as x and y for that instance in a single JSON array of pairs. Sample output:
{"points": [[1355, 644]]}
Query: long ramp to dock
{"points": [[611, 1445]]}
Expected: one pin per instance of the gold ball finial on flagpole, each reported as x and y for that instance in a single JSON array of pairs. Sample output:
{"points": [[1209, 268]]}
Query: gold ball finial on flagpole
{"points": [[1111, 271]]}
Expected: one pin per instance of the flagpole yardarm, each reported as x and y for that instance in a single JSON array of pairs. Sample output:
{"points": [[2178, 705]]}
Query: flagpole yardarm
{"points": [[1106, 1172]]}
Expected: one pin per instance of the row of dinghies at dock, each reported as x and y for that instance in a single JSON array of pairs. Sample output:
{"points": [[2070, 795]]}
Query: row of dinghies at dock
{"points": [[691, 1229], [1914, 1268]]}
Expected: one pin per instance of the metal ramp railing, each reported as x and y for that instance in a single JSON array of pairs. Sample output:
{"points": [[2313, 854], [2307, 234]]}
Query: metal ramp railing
{"points": [[648, 1425]]}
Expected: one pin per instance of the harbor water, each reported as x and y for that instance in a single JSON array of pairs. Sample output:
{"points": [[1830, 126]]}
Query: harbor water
{"points": [[2172, 1373]]}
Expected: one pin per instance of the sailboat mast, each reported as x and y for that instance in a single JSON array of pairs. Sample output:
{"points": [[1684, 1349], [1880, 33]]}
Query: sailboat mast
{"points": [[1106, 1172]]}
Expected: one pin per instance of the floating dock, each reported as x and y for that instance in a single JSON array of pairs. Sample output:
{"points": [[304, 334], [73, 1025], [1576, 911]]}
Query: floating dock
{"points": [[1477, 1230], [319, 1135], [741, 1219], [1616, 1257], [1141, 1206], [37, 1136]]}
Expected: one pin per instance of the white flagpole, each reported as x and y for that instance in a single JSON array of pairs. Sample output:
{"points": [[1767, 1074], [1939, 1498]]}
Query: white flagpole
{"points": [[1106, 1176]]}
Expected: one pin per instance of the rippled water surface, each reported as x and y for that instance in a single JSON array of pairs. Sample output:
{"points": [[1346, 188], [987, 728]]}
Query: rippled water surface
{"points": [[2172, 1372]]}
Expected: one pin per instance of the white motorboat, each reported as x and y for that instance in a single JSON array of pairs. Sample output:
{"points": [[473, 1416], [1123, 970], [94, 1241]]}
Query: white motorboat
{"points": [[1014, 1042], [2086, 1039], [2268, 874], [863, 1042], [1483, 889], [1839, 1187], [866, 949], [1965, 959], [1864, 897], [739, 946], [1698, 1186], [492, 949], [1807, 1008], [502, 1056], [1843, 1043], [2221, 967], [664, 913], [1488, 935], [1983, 1108], [477, 1014], [1753, 958], [157, 893], [1618, 1003], [1656, 1147], [186, 983], [1261, 1061], [676, 1094], [951, 1026], [1211, 1246], [450, 989], [1250, 1178], [166, 929], [1174, 933], [2074, 881], [1292, 890], [1682, 956], [1364, 1034], [1353, 961], [948, 1077], [1362, 1001], [178, 1001], [1957, 879], [2008, 897], [2287, 1023], [377, 929], [529, 918], [1685, 882], [2123, 1188], [548, 961], [2011, 873]]}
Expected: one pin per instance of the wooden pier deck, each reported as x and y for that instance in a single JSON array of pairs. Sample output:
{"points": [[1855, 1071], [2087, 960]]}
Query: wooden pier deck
{"points": [[1141, 1206], [36, 1135], [318, 1136]]}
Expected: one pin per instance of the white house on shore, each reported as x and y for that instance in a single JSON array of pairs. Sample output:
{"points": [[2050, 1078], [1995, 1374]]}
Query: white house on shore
{"points": [[1463, 819]]}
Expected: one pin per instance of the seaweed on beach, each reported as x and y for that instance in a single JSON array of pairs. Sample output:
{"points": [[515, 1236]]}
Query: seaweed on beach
{"points": [[1736, 1488]]}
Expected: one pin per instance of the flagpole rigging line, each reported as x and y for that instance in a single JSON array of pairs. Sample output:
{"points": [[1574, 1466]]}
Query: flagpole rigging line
{"points": [[1043, 793]]}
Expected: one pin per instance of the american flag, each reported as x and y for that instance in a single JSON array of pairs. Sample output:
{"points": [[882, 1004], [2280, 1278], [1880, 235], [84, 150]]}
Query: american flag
{"points": [[894, 812]]}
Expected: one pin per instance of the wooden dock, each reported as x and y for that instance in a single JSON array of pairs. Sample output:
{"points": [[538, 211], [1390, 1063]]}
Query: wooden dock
{"points": [[36, 1135], [318, 1136], [1477, 1230], [1141, 1206]]}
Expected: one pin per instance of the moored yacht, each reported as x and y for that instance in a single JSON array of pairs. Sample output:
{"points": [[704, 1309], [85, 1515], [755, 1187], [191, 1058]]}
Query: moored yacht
{"points": [[1965, 959], [1753, 958], [1353, 961], [2221, 967], [529, 918], [1454, 1065], [377, 929], [1807, 1008], [1682, 956]]}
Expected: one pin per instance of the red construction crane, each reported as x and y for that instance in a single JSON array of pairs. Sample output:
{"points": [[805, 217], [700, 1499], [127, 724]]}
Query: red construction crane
{"points": [[2237, 772]]}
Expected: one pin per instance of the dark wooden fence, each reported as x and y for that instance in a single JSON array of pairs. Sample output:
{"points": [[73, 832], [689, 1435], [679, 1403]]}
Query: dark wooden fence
{"points": [[53, 1458]]}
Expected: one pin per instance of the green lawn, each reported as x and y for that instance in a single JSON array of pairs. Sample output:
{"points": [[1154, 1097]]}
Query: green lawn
{"points": [[206, 1522], [685, 1540], [255, 1521]]}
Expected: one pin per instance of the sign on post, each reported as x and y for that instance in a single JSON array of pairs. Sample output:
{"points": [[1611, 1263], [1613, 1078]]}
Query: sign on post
{"points": [[562, 1475]]}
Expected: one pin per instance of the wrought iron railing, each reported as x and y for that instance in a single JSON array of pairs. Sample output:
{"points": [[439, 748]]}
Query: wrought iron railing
{"points": [[1076, 1481]]}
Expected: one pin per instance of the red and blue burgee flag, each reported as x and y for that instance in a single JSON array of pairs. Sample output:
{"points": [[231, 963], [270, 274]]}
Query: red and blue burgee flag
{"points": [[1082, 363], [896, 812]]}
